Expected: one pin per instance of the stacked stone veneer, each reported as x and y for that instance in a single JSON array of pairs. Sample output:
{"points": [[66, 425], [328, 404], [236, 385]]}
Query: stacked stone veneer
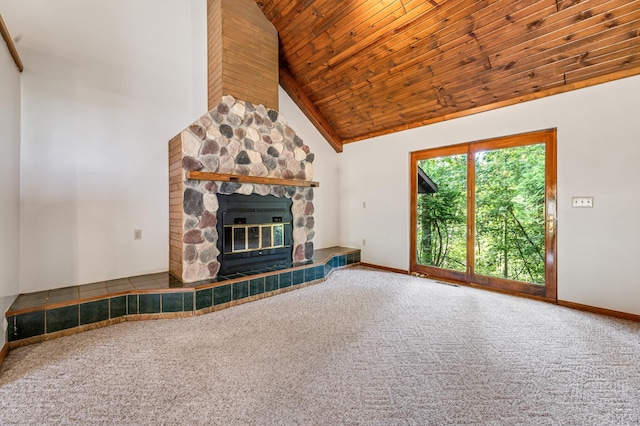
{"points": [[240, 138]]}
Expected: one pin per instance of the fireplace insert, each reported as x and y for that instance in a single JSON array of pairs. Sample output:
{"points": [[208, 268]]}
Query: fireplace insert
{"points": [[254, 232]]}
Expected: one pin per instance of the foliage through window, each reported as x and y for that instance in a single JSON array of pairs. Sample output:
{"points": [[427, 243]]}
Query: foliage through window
{"points": [[509, 240], [442, 215], [484, 213], [509, 231]]}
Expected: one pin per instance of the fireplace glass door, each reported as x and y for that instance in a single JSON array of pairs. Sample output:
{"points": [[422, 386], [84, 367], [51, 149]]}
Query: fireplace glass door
{"points": [[256, 232], [243, 238]]}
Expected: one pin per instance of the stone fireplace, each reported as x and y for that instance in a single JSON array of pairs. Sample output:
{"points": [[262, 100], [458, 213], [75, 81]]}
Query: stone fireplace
{"points": [[241, 146], [235, 140]]}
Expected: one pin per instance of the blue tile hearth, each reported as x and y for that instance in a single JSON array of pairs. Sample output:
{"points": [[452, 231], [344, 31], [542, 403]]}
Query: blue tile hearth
{"points": [[271, 282], [319, 272], [240, 290], [53, 311], [256, 286], [204, 299], [188, 301], [286, 279], [149, 303], [172, 302], [94, 311], [59, 319], [26, 325], [309, 274], [222, 294], [298, 277], [118, 306], [132, 304]]}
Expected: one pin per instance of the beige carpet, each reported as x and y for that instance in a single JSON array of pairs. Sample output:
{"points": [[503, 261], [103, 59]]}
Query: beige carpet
{"points": [[365, 347]]}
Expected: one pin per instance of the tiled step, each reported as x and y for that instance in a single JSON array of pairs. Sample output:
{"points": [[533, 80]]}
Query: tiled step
{"points": [[35, 317]]}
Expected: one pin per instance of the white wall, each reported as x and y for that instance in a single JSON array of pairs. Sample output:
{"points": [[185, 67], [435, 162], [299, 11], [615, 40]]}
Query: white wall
{"points": [[9, 183], [598, 148], [106, 85], [326, 197]]}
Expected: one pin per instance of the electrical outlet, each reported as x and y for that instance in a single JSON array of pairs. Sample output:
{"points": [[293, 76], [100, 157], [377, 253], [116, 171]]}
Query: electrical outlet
{"points": [[364, 242], [364, 204], [137, 234], [582, 202]]}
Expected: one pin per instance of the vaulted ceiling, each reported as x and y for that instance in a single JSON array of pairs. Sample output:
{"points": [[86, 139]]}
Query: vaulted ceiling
{"points": [[362, 68]]}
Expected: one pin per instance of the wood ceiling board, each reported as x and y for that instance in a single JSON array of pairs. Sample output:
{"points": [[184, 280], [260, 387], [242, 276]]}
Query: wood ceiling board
{"points": [[408, 36], [599, 79], [577, 47], [279, 12], [565, 59], [630, 62], [406, 84], [598, 51], [298, 21], [301, 58], [429, 49], [553, 32], [365, 34], [470, 97], [445, 104], [298, 33], [343, 80], [563, 4], [351, 13], [323, 30], [387, 22], [457, 74], [406, 64]]}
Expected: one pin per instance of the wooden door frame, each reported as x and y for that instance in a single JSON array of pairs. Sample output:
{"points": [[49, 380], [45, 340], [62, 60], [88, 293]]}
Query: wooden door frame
{"points": [[548, 137]]}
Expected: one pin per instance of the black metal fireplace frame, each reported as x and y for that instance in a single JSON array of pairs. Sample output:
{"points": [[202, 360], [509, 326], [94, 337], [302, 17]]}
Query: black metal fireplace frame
{"points": [[252, 211]]}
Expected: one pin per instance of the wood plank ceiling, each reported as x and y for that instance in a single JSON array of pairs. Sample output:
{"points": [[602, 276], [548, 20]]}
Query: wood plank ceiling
{"points": [[363, 68]]}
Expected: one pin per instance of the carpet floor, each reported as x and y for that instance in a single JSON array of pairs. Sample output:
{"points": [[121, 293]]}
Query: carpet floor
{"points": [[364, 347]]}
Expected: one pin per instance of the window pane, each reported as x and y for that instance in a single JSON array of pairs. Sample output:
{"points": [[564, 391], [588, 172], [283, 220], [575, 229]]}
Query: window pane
{"points": [[278, 235], [510, 199], [442, 213], [266, 236], [254, 237], [228, 236], [239, 243]]}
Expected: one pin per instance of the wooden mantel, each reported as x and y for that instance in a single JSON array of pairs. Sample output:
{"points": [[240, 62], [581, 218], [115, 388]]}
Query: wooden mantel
{"points": [[220, 177]]}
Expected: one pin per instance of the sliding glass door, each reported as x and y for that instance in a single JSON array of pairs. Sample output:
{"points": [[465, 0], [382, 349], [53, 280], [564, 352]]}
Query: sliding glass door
{"points": [[484, 213]]}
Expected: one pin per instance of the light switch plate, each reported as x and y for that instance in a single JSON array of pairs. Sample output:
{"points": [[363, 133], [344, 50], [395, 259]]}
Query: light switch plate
{"points": [[582, 202]]}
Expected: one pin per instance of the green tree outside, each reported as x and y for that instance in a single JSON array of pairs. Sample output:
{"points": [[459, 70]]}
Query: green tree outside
{"points": [[509, 240], [442, 216]]}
